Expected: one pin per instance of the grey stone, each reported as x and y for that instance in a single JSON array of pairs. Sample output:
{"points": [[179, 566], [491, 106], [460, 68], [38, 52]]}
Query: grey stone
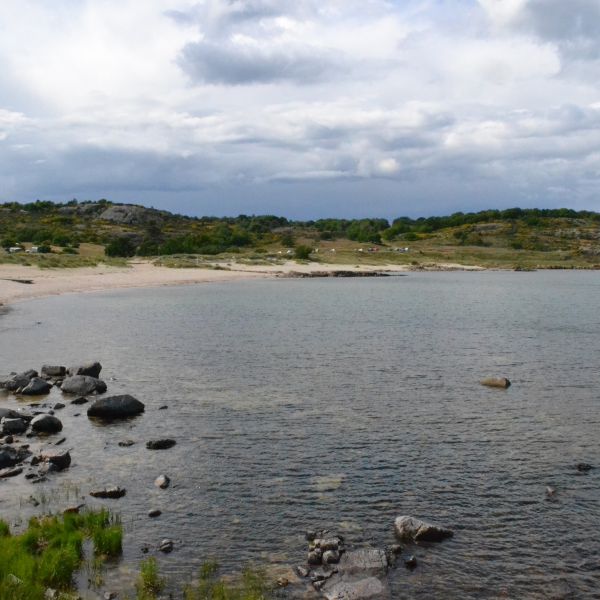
{"points": [[331, 557], [162, 481], [20, 380], [116, 407], [82, 385], [53, 371], [166, 546], [315, 556], [36, 387], [91, 369], [59, 406], [61, 459], [412, 529], [13, 426], [46, 424], [154, 513], [81, 400]]}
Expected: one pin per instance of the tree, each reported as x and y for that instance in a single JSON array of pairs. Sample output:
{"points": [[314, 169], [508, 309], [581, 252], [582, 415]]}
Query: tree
{"points": [[302, 252]]}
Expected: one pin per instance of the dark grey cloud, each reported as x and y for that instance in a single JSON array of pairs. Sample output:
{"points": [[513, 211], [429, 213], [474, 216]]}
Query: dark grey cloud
{"points": [[574, 25], [225, 62]]}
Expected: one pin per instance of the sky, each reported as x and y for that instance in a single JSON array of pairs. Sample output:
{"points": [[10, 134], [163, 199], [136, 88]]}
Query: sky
{"points": [[302, 108]]}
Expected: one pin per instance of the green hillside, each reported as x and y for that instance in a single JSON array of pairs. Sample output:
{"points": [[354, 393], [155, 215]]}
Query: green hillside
{"points": [[76, 233]]}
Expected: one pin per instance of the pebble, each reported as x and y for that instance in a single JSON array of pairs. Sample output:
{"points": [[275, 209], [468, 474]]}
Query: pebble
{"points": [[154, 513]]}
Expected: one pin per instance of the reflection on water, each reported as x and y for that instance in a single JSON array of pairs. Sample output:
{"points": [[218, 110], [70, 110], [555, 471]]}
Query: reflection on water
{"points": [[342, 403]]}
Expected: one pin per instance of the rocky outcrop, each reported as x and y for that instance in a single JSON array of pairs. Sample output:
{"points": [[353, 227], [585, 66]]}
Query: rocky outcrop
{"points": [[412, 529], [36, 387], [496, 382], [116, 407], [18, 381], [46, 424], [90, 369], [81, 385]]}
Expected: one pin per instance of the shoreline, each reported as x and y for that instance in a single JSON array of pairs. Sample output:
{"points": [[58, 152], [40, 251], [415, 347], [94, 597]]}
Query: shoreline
{"points": [[20, 283]]}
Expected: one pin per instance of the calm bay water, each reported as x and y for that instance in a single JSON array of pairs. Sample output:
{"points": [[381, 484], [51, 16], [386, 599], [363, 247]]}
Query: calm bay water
{"points": [[342, 404]]}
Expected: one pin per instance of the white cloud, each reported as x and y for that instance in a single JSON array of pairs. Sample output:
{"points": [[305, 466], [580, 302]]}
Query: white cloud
{"points": [[166, 96]]}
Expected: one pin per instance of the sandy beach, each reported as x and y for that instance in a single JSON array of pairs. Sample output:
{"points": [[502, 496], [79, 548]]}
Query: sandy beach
{"points": [[18, 283]]}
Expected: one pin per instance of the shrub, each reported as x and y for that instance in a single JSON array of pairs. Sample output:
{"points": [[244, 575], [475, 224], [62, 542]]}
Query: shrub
{"points": [[302, 252], [120, 247], [149, 583]]}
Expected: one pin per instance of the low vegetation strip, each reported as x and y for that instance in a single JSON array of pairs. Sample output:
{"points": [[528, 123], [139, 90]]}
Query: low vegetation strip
{"points": [[47, 555]]}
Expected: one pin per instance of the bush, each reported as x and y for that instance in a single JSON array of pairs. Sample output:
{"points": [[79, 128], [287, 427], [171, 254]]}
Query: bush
{"points": [[302, 252], [120, 247]]}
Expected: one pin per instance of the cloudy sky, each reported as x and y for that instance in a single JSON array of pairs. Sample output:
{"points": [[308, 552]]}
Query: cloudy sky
{"points": [[303, 108]]}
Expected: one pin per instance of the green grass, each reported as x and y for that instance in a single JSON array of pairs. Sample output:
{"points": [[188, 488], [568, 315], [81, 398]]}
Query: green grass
{"points": [[49, 552], [149, 583]]}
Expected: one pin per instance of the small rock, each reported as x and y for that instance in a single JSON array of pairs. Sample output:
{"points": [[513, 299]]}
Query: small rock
{"points": [[410, 528], [164, 407], [116, 407], [59, 406], [46, 424], [283, 582], [315, 556], [154, 513], [302, 571], [53, 371], [331, 557], [410, 562], [10, 472], [36, 387], [91, 369], [80, 400], [61, 441], [82, 385], [162, 444], [496, 382], [73, 510], [110, 492], [9, 439], [162, 481], [126, 443], [166, 546], [583, 467], [110, 595], [550, 491], [59, 459], [17, 425]]}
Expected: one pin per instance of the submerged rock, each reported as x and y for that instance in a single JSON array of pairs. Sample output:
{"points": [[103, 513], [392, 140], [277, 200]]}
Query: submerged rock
{"points": [[10, 456], [583, 467], [496, 382], [166, 546], [162, 444], [10, 472], [412, 529], [116, 407], [82, 385], [109, 492], [46, 424], [154, 513]]}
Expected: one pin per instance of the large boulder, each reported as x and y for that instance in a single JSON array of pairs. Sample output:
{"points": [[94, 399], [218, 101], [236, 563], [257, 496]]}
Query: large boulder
{"points": [[91, 369], [36, 387], [46, 424], [19, 380], [116, 407], [412, 529], [53, 371], [81, 385]]}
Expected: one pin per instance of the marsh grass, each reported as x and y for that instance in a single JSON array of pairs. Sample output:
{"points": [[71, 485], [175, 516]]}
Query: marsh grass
{"points": [[49, 552], [149, 583]]}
